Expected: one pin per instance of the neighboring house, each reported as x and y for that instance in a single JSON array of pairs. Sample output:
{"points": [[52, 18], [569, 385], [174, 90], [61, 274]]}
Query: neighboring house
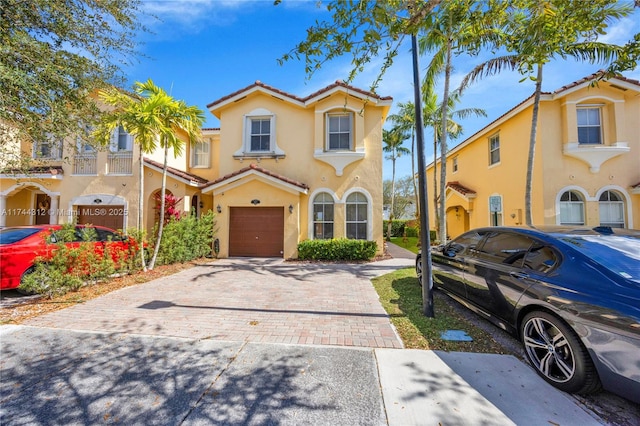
{"points": [[586, 166], [279, 170]]}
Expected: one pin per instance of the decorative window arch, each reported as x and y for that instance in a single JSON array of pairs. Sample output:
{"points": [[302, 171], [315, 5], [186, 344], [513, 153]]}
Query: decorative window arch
{"points": [[323, 215], [571, 208], [358, 215], [611, 206]]}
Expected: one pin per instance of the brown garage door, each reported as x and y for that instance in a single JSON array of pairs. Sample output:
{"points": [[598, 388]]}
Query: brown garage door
{"points": [[256, 231], [109, 216]]}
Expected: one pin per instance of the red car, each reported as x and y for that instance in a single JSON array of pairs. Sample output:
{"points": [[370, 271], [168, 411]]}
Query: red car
{"points": [[20, 246]]}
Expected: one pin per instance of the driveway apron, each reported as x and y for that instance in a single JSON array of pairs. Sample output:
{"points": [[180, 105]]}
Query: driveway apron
{"points": [[247, 300]]}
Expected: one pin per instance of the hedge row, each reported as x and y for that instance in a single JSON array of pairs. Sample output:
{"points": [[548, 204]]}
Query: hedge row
{"points": [[337, 249]]}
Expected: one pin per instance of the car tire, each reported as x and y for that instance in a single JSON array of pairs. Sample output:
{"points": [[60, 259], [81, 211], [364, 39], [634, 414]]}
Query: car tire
{"points": [[419, 269], [22, 291], [556, 353]]}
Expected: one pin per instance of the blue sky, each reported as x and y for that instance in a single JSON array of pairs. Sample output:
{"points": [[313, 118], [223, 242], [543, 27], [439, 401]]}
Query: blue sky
{"points": [[202, 50]]}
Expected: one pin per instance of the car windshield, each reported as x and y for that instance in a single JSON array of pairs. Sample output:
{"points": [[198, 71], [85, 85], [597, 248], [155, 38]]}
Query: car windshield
{"points": [[13, 235], [617, 253]]}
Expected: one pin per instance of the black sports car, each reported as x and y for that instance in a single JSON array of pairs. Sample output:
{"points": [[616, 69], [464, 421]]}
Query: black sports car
{"points": [[571, 295]]}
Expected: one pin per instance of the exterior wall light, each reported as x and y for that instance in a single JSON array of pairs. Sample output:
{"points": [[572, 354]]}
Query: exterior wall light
{"points": [[219, 208], [290, 208], [255, 201]]}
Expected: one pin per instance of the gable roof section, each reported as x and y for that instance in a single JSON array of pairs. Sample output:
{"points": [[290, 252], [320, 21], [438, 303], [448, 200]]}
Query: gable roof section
{"points": [[338, 86], [252, 172], [42, 172], [618, 81], [461, 189], [185, 177]]}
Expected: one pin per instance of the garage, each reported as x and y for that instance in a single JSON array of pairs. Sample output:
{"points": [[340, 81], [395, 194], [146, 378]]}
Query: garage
{"points": [[109, 216], [256, 232]]}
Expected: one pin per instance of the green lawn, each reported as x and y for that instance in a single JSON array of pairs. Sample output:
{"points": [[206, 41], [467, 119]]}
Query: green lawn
{"points": [[409, 243], [401, 296]]}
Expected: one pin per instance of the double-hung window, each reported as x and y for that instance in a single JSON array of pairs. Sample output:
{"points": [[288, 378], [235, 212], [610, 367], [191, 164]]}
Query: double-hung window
{"points": [[339, 132], [121, 140], [260, 134], [589, 125], [48, 149], [201, 154], [494, 149], [357, 212], [323, 216]]}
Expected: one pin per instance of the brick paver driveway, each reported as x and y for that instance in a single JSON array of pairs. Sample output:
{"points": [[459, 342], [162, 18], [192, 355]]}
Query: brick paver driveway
{"points": [[254, 300]]}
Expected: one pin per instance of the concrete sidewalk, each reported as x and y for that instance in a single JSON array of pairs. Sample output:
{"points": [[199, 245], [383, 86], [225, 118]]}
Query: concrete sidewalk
{"points": [[64, 377], [257, 342]]}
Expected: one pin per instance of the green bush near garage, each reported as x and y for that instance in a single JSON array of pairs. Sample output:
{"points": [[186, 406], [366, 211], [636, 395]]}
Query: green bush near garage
{"points": [[337, 249], [186, 238]]}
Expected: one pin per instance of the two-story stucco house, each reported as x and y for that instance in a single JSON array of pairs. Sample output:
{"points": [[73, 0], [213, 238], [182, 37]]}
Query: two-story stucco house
{"points": [[586, 166], [279, 170]]}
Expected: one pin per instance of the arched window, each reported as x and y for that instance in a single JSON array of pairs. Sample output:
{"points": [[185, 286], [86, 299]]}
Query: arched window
{"points": [[357, 207], [571, 209], [611, 210], [323, 216]]}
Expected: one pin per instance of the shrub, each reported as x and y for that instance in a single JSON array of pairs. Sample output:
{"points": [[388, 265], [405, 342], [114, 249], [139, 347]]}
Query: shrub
{"points": [[68, 267], [186, 238], [337, 249], [397, 227]]}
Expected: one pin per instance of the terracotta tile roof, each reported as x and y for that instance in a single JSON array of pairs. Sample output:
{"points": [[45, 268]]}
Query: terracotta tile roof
{"points": [[594, 76], [338, 83], [263, 171], [210, 128], [41, 170], [178, 173], [455, 185]]}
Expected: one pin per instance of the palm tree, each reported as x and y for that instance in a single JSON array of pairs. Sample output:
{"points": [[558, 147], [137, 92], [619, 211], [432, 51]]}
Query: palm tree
{"points": [[173, 117], [405, 119], [393, 140], [455, 28], [150, 115], [539, 31], [135, 114]]}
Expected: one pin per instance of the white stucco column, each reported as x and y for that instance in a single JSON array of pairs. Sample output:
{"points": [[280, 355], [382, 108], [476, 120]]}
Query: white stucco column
{"points": [[3, 210], [53, 209]]}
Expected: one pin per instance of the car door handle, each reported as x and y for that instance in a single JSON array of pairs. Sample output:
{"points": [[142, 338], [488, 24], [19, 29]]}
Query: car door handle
{"points": [[519, 275]]}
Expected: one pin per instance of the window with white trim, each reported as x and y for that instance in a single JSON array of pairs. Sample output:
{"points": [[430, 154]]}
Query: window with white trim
{"points": [[323, 216], [454, 164], [200, 154], [611, 210], [589, 125], [494, 149], [571, 209], [356, 216], [260, 135], [339, 132], [121, 140], [48, 149]]}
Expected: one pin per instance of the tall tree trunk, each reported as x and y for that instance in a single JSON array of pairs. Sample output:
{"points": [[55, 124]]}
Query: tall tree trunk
{"points": [[443, 146], [163, 192], [532, 148], [413, 174], [393, 193], [140, 211], [435, 181]]}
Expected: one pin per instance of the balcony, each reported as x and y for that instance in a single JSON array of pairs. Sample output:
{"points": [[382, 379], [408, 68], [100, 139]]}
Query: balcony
{"points": [[120, 163], [85, 164]]}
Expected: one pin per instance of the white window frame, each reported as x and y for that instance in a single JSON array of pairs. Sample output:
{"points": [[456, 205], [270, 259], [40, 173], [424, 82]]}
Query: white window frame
{"points": [[568, 208], [245, 151], [331, 115], [454, 164], [492, 150], [116, 138], [55, 149], [589, 125], [608, 208], [201, 154], [359, 205]]}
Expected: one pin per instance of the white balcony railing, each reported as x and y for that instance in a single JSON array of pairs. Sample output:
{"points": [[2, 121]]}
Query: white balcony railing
{"points": [[120, 163], [85, 164]]}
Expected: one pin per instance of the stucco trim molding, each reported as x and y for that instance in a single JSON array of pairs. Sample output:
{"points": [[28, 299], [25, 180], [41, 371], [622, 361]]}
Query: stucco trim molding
{"points": [[595, 155], [339, 159]]}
